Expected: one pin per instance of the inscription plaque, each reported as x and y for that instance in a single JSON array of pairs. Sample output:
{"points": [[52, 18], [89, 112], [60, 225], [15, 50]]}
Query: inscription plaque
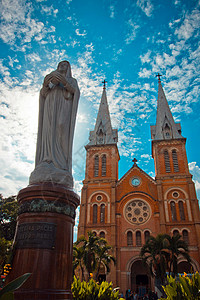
{"points": [[36, 235]]}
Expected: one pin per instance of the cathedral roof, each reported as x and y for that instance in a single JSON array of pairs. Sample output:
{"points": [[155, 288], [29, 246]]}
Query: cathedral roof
{"points": [[131, 171], [165, 127], [103, 134]]}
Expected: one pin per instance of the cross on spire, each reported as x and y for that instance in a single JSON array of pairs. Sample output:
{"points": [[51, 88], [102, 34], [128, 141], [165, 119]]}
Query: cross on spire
{"points": [[104, 84], [158, 75], [134, 161]]}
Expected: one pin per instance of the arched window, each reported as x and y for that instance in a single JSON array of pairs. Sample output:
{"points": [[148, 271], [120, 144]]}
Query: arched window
{"points": [[175, 232], [102, 235], [103, 165], [173, 210], [146, 235], [96, 166], [94, 232], [175, 160], [185, 236], [181, 210], [167, 162], [129, 238], [95, 213], [102, 212], [138, 238]]}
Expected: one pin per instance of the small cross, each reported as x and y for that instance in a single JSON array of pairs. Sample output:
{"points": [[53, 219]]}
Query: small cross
{"points": [[158, 75], [104, 84], [134, 160]]}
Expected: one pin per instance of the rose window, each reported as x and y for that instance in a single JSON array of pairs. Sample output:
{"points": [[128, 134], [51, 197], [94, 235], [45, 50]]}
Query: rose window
{"points": [[137, 211]]}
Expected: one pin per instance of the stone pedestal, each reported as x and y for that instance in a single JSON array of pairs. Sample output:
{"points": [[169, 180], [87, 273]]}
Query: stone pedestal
{"points": [[44, 241]]}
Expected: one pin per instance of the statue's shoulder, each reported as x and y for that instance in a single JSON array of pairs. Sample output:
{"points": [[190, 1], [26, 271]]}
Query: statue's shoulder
{"points": [[74, 82]]}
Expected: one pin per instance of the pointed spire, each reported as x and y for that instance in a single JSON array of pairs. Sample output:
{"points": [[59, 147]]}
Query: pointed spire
{"points": [[103, 132], [165, 127]]}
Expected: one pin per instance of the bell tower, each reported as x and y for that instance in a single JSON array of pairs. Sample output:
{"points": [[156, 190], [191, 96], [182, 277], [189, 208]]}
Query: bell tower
{"points": [[168, 145], [178, 204], [98, 200]]}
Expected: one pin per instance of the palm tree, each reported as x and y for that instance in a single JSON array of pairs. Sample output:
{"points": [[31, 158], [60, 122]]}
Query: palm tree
{"points": [[89, 247], [78, 259], [161, 254], [93, 252], [155, 254], [104, 257], [176, 247]]}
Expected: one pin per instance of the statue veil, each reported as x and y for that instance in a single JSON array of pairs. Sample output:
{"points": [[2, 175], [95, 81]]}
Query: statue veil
{"points": [[56, 124]]}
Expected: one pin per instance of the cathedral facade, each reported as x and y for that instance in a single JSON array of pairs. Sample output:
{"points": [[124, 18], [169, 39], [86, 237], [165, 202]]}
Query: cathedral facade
{"points": [[128, 210]]}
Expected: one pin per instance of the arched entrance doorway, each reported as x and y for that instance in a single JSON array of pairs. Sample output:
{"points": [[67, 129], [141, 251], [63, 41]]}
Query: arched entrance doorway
{"points": [[102, 274], [186, 267], [140, 278]]}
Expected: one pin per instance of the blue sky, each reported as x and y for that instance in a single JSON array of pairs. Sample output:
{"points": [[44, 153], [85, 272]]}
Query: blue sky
{"points": [[125, 42]]}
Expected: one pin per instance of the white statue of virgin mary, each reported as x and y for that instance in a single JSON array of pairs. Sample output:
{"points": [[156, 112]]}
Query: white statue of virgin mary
{"points": [[58, 104]]}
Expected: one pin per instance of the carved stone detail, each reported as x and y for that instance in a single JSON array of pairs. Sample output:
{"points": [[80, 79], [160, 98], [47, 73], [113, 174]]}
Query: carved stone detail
{"points": [[40, 205]]}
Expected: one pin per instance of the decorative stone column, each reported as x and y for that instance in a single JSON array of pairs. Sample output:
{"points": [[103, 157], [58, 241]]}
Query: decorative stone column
{"points": [[43, 244]]}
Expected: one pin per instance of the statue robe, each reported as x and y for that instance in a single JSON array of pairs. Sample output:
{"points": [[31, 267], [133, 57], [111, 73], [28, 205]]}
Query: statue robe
{"points": [[57, 116]]}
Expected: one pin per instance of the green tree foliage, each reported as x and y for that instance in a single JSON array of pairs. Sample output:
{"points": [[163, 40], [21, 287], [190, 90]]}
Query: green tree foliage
{"points": [[78, 253], [5, 250], [155, 254], [92, 253], [8, 217], [161, 255], [92, 290], [89, 251], [103, 256], [184, 289], [176, 247]]}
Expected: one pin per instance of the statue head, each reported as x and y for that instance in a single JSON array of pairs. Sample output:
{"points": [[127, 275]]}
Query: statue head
{"points": [[64, 67]]}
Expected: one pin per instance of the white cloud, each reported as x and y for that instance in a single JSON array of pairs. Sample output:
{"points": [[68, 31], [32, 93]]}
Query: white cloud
{"points": [[12, 61], [176, 2], [169, 60], [173, 72], [146, 57], [145, 73], [195, 171], [17, 24], [73, 44], [3, 69], [80, 34], [49, 10], [174, 22], [82, 118], [146, 156], [152, 174], [18, 123], [146, 6], [33, 57], [160, 41], [159, 61], [112, 11], [133, 27], [189, 25]]}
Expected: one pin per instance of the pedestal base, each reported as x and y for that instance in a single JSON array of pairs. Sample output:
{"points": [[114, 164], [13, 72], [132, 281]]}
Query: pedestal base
{"points": [[43, 295], [44, 242]]}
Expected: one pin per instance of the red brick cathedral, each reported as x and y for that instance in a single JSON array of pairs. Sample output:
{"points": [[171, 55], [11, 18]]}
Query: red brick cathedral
{"points": [[128, 210]]}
